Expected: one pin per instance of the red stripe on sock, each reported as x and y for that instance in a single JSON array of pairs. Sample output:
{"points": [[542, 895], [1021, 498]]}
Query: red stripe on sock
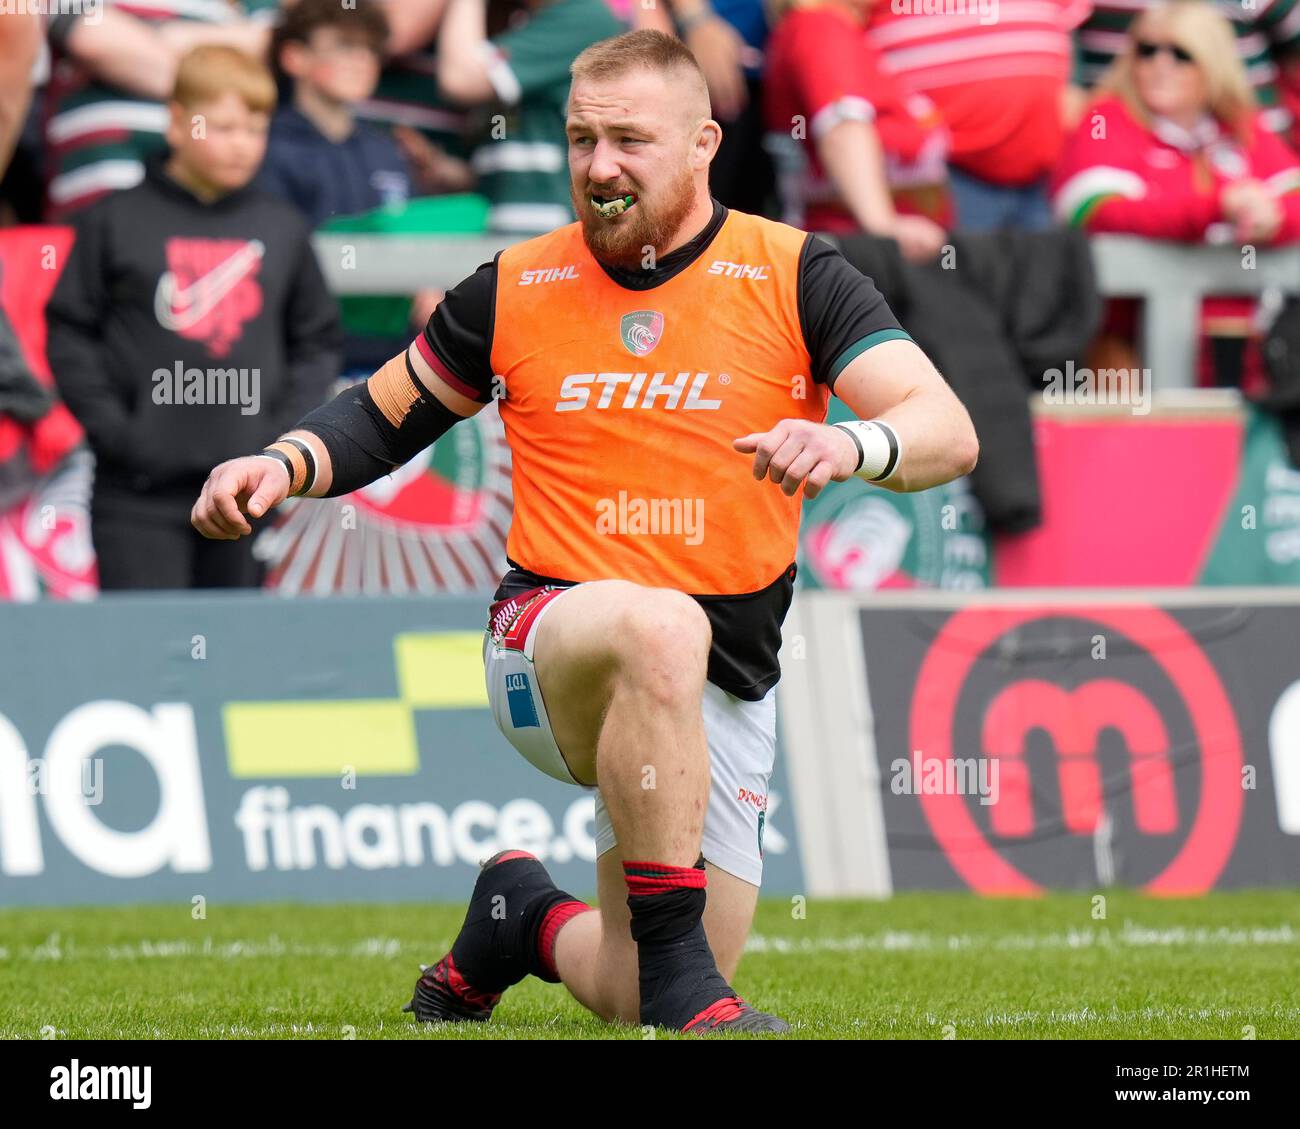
{"points": [[646, 878], [555, 920], [446, 972]]}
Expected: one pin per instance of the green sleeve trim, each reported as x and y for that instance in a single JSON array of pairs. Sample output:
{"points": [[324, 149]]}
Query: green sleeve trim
{"points": [[859, 347]]}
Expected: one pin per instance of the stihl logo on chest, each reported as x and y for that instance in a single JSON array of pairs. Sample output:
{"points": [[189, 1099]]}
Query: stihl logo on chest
{"points": [[740, 270], [636, 390]]}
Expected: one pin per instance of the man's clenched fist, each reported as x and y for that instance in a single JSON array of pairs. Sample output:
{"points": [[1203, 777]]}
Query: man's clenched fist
{"points": [[250, 485]]}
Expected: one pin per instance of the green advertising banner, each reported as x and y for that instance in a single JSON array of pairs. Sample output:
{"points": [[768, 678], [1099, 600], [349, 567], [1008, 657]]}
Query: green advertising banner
{"points": [[247, 747], [1259, 540]]}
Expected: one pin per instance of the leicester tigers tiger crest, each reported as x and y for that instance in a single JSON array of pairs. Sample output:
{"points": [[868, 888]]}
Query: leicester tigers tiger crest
{"points": [[641, 330]]}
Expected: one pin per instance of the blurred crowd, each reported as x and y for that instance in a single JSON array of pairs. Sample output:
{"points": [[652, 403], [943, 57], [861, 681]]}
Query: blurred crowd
{"points": [[898, 117], [904, 120]]}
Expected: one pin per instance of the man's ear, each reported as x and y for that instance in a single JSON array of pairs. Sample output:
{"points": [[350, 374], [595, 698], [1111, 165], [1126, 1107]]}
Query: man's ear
{"points": [[707, 141]]}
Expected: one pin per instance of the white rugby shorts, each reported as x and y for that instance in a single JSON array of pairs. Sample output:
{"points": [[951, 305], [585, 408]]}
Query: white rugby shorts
{"points": [[741, 738]]}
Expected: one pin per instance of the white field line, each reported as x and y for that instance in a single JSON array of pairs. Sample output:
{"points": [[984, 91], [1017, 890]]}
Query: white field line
{"points": [[1086, 1017], [239, 1031], [1129, 935], [57, 948]]}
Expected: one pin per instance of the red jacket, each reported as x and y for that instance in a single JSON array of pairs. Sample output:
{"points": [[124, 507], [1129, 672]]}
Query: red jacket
{"points": [[994, 71], [1119, 175]]}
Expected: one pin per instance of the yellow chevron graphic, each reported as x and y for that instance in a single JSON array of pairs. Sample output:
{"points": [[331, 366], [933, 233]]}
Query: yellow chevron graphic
{"points": [[374, 736]]}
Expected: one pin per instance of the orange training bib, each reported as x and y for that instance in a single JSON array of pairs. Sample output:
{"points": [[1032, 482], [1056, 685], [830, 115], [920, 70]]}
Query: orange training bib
{"points": [[620, 408]]}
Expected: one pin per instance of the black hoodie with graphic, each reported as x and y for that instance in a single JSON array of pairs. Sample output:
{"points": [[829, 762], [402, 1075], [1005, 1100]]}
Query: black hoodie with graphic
{"points": [[184, 333]]}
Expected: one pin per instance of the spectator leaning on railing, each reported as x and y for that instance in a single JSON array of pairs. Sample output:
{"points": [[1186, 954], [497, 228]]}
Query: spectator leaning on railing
{"points": [[320, 158], [728, 38], [191, 322], [407, 101], [24, 73], [861, 153], [1174, 147]]}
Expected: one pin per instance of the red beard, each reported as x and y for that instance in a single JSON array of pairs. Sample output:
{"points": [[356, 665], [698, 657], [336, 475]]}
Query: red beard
{"points": [[634, 238]]}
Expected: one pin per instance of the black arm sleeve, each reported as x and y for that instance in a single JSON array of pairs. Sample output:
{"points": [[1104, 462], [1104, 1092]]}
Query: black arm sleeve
{"points": [[363, 445], [840, 310]]}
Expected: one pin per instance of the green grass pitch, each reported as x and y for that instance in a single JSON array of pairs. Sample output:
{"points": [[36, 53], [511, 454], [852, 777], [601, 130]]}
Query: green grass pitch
{"points": [[927, 966]]}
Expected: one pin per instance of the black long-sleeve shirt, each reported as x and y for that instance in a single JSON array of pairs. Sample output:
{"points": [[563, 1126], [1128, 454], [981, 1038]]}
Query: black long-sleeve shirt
{"points": [[166, 299]]}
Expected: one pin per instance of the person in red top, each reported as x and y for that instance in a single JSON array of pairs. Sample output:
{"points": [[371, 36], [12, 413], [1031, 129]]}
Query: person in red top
{"points": [[876, 161], [999, 75], [1175, 148]]}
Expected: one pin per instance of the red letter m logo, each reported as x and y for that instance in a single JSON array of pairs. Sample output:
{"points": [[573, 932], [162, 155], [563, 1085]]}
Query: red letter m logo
{"points": [[1074, 719]]}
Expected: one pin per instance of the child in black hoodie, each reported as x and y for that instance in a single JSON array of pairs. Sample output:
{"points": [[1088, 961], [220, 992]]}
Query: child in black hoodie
{"points": [[191, 324]]}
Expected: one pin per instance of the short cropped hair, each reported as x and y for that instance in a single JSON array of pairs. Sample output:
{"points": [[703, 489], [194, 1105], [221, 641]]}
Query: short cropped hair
{"points": [[645, 49], [206, 73]]}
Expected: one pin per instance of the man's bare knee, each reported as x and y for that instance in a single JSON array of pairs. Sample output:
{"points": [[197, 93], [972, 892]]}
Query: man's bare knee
{"points": [[661, 640]]}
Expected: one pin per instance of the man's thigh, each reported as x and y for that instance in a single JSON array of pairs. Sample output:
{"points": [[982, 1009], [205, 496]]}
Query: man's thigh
{"points": [[574, 671], [575, 657], [548, 675]]}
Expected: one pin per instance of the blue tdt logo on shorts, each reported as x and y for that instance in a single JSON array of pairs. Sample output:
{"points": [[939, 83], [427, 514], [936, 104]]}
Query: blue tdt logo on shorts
{"points": [[519, 696]]}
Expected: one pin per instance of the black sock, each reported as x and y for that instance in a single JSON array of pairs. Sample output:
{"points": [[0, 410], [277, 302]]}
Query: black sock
{"points": [[678, 976], [511, 925]]}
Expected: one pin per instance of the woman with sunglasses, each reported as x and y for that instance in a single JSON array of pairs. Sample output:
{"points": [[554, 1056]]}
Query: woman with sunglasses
{"points": [[1173, 147]]}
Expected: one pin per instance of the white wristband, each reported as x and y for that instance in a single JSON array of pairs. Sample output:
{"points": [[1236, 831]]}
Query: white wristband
{"points": [[879, 449]]}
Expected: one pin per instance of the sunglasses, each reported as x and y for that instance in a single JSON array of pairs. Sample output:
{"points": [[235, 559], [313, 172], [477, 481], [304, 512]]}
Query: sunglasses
{"points": [[1147, 50]]}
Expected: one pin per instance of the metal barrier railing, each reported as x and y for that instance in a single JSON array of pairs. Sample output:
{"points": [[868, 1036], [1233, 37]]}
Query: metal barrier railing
{"points": [[1170, 278], [1173, 279]]}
